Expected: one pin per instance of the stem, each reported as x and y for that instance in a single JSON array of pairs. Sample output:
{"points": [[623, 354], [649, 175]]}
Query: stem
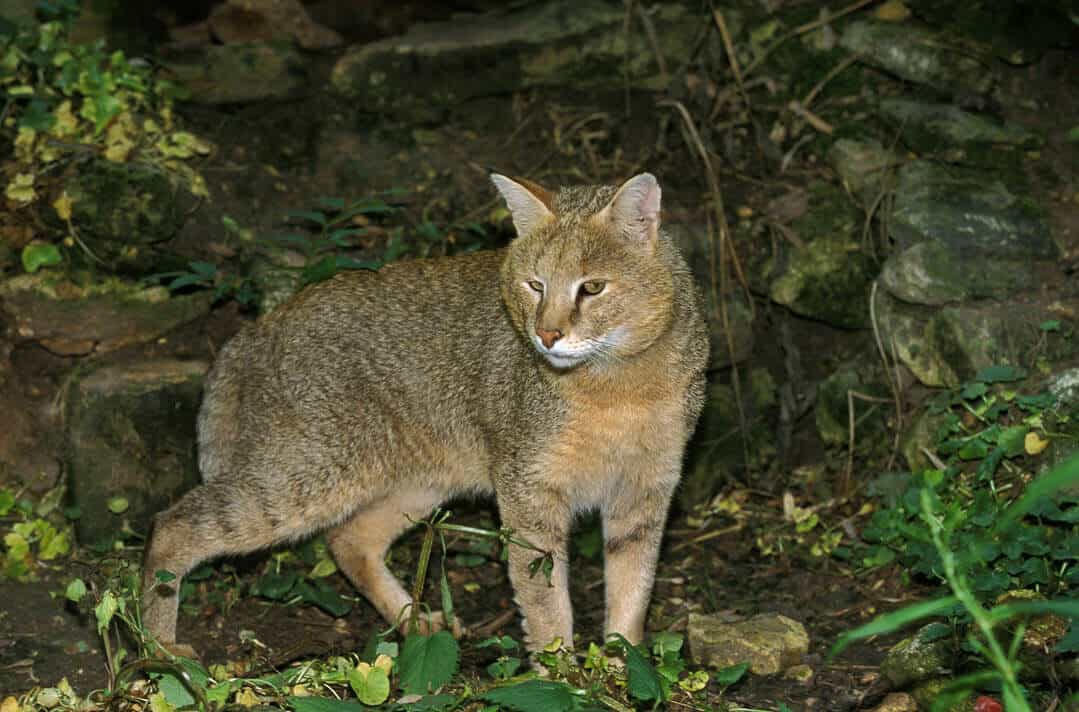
{"points": [[957, 583], [421, 577]]}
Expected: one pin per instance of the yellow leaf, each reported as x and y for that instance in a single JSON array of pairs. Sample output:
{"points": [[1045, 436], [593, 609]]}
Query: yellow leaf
{"points": [[300, 691], [118, 139], [158, 703], [1033, 443], [893, 11], [21, 188], [554, 645], [67, 124], [247, 698], [364, 669], [384, 662], [24, 145], [10, 704], [62, 206]]}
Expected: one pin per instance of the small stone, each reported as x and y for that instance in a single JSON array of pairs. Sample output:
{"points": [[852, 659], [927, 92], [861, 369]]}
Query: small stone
{"points": [[897, 702], [802, 674], [769, 642], [917, 658]]}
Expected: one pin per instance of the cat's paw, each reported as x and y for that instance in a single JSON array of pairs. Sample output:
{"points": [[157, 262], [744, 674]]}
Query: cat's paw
{"points": [[179, 650], [432, 622]]}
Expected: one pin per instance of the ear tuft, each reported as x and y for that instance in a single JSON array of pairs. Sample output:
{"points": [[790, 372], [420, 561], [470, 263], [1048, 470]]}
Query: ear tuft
{"points": [[528, 203], [634, 209]]}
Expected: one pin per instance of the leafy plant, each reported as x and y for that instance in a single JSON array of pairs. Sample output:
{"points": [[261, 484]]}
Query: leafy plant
{"points": [[66, 102], [35, 537], [986, 623]]}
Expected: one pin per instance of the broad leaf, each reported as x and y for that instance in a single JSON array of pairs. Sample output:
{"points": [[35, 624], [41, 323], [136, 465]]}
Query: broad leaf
{"points": [[535, 696], [427, 662]]}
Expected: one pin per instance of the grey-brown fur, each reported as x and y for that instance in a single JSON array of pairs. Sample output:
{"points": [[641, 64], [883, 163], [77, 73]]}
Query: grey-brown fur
{"points": [[371, 398]]}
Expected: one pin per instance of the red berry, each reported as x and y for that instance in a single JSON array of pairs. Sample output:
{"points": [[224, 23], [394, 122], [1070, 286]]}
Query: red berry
{"points": [[987, 704]]}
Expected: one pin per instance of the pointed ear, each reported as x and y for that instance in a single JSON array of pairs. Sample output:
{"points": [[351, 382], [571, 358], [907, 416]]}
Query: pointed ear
{"points": [[529, 204], [634, 209]]}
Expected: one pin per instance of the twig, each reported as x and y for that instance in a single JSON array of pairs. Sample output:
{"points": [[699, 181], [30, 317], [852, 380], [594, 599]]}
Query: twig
{"points": [[851, 395], [487, 629]]}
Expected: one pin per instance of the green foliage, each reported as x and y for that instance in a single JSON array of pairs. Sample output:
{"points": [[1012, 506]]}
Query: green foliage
{"points": [[428, 662], [986, 624], [537, 696], [68, 101], [36, 538], [988, 436]]}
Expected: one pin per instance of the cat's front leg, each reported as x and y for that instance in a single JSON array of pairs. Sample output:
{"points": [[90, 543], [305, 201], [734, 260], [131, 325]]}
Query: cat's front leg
{"points": [[632, 531], [543, 520]]}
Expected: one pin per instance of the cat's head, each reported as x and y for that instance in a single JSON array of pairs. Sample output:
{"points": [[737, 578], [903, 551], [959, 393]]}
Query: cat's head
{"points": [[586, 280]]}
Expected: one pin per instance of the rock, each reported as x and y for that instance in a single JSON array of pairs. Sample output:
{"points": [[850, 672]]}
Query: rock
{"points": [[717, 449], [572, 44], [828, 277], [918, 56], [277, 274], [131, 436], [832, 410], [1064, 386], [866, 168], [802, 674], [923, 433], [933, 127], [770, 642], [926, 694], [70, 319], [240, 73], [960, 209], [695, 244], [897, 702], [260, 20], [924, 656], [1042, 633], [122, 209], [933, 273], [945, 345]]}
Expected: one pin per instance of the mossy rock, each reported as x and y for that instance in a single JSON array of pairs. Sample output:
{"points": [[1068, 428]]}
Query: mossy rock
{"points": [[131, 443]]}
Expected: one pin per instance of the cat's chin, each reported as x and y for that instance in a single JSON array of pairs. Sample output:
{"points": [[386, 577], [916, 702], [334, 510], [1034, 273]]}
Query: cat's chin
{"points": [[563, 363]]}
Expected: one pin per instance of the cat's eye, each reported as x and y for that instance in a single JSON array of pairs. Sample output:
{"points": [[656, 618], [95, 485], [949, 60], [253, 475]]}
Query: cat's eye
{"points": [[592, 287], [535, 285]]}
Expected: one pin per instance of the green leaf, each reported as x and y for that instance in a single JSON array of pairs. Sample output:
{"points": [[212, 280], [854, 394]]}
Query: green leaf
{"points": [[172, 685], [973, 390], [535, 696], [504, 668], [7, 501], [427, 662], [447, 598], [1012, 440], [273, 586], [372, 688], [320, 270], [732, 674], [1070, 642], [1001, 374], [314, 216], [37, 116], [117, 505], [324, 596], [40, 254], [893, 621], [432, 703], [323, 704], [75, 590], [1068, 608], [1050, 325], [1064, 475], [644, 682], [105, 610]]}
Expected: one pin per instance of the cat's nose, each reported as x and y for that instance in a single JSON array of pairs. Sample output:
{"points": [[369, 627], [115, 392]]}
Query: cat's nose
{"points": [[548, 337]]}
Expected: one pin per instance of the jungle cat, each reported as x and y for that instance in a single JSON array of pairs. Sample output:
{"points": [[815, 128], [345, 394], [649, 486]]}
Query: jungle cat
{"points": [[561, 374]]}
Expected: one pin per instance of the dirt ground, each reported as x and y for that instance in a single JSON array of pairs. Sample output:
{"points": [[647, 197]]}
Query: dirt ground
{"points": [[277, 157]]}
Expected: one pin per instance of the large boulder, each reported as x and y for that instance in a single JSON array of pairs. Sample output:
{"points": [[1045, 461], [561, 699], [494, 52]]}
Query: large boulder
{"points": [[769, 642], [130, 443], [74, 319], [573, 44]]}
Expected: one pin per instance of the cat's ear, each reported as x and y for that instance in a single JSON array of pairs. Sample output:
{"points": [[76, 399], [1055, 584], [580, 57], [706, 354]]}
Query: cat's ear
{"points": [[529, 204], [634, 209]]}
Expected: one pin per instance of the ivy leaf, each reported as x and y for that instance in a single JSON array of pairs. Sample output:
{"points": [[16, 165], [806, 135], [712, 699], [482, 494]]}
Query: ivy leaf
{"points": [[731, 674], [324, 596], [427, 662], [75, 590], [371, 684]]}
